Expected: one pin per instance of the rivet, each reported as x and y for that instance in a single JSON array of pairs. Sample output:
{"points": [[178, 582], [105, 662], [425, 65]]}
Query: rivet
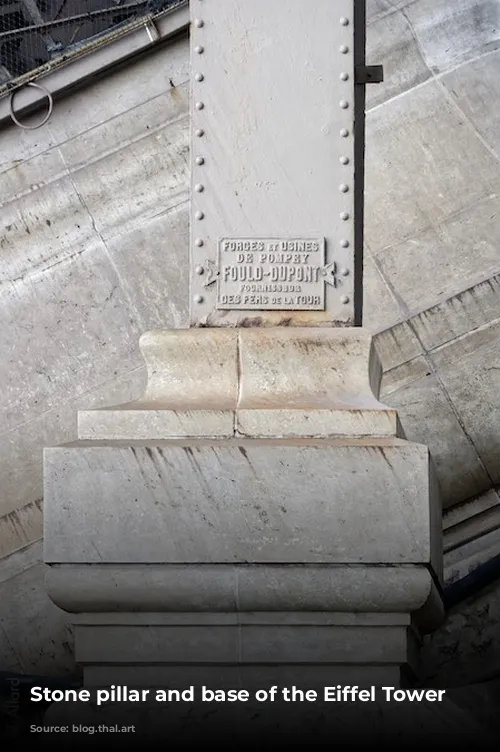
{"points": [[199, 132], [199, 49], [343, 188], [344, 244], [344, 77], [344, 49], [198, 298], [344, 216], [198, 242], [199, 270], [344, 21], [199, 105], [199, 215], [200, 160], [199, 23], [344, 160], [344, 299], [344, 272], [199, 77], [344, 133], [344, 104], [199, 188]]}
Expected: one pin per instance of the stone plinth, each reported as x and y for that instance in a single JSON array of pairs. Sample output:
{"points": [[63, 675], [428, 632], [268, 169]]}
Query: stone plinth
{"points": [[256, 517]]}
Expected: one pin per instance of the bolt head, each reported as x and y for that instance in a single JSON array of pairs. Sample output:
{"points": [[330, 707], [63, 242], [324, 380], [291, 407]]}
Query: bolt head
{"points": [[199, 132], [343, 188], [198, 242], [198, 298], [199, 188], [199, 49], [344, 160], [344, 244], [344, 216], [199, 270], [199, 23], [344, 21], [344, 299], [199, 215], [199, 105], [344, 77], [344, 133], [200, 160], [344, 49], [199, 77], [344, 104], [344, 272]]}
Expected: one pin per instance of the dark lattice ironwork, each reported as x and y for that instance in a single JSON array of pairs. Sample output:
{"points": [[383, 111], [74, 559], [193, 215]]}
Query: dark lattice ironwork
{"points": [[34, 33]]}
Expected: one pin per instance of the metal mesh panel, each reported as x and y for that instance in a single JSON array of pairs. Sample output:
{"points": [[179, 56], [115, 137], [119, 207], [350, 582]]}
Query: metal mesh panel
{"points": [[34, 33]]}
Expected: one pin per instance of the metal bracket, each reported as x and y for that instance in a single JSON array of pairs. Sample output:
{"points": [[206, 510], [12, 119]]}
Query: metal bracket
{"points": [[368, 74]]}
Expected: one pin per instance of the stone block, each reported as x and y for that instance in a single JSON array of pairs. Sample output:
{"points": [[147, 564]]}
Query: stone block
{"points": [[380, 308], [474, 87], [246, 644], [415, 258], [161, 593], [471, 309], [423, 404], [192, 368], [451, 33], [460, 170], [317, 423], [143, 424], [469, 369], [308, 368], [392, 43], [232, 501]]}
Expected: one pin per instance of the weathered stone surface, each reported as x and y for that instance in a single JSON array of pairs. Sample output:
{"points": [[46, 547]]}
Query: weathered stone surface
{"points": [[338, 368], [470, 371], [426, 415], [176, 591], [259, 393], [451, 33], [458, 171], [474, 227], [473, 88], [249, 644], [381, 309], [392, 43], [143, 503], [35, 637]]}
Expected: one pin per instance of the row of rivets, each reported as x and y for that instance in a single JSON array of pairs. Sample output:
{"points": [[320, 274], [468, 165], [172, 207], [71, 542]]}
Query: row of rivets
{"points": [[344, 133], [199, 133]]}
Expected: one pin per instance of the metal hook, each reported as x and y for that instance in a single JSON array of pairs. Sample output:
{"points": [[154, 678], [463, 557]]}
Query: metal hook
{"points": [[49, 112]]}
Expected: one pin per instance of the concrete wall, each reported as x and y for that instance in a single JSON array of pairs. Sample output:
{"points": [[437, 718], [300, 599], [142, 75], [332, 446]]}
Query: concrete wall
{"points": [[95, 247]]}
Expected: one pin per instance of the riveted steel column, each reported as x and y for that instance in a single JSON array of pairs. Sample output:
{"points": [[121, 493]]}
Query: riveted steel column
{"points": [[275, 204]]}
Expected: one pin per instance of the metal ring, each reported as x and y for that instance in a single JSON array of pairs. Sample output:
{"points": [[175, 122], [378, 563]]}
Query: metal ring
{"points": [[49, 112]]}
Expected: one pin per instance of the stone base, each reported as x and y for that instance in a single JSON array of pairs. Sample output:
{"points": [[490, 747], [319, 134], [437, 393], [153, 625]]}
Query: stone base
{"points": [[233, 501], [255, 520], [245, 650]]}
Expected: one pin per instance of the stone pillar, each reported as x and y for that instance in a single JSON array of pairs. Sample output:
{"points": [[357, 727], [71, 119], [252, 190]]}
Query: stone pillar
{"points": [[277, 525], [257, 518]]}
